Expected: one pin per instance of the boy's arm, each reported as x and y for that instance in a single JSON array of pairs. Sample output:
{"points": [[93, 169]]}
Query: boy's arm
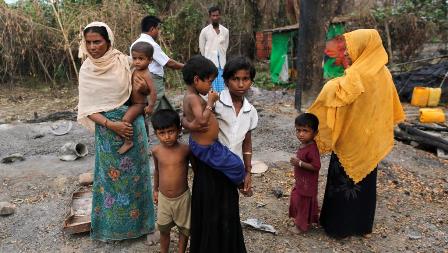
{"points": [[301, 164], [193, 127], [201, 115], [152, 94], [314, 165], [187, 156], [156, 178], [172, 64]]}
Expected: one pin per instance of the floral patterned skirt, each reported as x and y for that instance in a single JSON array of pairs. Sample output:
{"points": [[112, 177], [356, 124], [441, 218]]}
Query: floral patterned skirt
{"points": [[122, 206]]}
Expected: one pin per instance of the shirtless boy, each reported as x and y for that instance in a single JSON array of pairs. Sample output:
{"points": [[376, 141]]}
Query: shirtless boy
{"points": [[171, 191], [141, 56], [199, 118]]}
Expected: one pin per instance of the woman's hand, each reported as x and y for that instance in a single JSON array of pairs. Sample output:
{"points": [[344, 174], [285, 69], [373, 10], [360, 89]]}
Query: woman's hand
{"points": [[123, 129], [155, 196], [149, 110], [140, 85]]}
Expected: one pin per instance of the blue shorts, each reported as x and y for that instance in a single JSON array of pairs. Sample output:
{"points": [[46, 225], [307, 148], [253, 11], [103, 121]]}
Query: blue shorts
{"points": [[220, 158]]}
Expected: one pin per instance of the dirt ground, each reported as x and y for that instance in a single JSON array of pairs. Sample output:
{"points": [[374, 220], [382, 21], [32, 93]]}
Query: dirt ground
{"points": [[411, 214]]}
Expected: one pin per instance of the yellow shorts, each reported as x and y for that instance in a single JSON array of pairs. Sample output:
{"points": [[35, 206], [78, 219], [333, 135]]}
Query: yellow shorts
{"points": [[174, 212]]}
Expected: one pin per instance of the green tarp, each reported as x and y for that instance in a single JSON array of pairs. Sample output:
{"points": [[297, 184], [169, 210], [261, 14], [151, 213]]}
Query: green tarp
{"points": [[280, 46], [279, 52]]}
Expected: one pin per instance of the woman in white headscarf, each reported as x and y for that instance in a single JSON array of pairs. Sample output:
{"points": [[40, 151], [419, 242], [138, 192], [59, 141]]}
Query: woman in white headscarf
{"points": [[122, 206]]}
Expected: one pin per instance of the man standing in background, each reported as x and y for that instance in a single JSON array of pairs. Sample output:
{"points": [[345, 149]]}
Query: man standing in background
{"points": [[150, 32], [150, 26], [213, 44]]}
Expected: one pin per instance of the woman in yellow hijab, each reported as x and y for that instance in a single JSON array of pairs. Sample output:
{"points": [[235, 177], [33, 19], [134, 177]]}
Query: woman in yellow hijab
{"points": [[357, 113]]}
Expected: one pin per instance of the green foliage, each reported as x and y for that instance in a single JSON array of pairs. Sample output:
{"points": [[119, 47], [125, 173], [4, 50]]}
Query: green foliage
{"points": [[434, 11], [263, 80], [181, 31], [413, 23]]}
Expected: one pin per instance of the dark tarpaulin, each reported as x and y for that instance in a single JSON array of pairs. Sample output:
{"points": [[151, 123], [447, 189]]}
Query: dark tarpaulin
{"points": [[428, 76]]}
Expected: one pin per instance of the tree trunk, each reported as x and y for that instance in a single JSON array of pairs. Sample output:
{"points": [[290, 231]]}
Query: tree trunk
{"points": [[313, 23]]}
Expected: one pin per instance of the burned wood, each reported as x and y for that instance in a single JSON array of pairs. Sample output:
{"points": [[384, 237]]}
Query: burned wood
{"points": [[64, 115], [410, 133], [430, 128], [406, 137], [413, 131]]}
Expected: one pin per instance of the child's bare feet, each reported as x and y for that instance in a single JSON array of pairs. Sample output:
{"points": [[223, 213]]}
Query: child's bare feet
{"points": [[294, 230], [127, 145]]}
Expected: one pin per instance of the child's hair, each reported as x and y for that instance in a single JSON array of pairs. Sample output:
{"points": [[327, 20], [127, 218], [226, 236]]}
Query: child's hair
{"points": [[235, 64], [309, 120], [101, 30], [165, 118], [199, 66], [148, 22], [143, 47], [213, 9]]}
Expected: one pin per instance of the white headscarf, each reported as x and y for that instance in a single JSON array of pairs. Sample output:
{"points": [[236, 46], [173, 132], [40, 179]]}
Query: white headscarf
{"points": [[104, 83]]}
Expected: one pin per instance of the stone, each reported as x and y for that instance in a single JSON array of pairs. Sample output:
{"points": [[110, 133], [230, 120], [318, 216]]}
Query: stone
{"points": [[277, 191], [7, 208], [12, 158], [413, 235], [86, 178]]}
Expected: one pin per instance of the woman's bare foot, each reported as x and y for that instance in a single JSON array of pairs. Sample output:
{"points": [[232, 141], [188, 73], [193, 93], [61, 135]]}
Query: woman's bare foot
{"points": [[127, 145], [153, 238]]}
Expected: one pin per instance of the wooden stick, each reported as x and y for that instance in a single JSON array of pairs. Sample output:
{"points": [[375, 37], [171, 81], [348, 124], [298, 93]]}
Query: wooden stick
{"points": [[67, 43], [44, 67], [422, 60], [389, 43]]}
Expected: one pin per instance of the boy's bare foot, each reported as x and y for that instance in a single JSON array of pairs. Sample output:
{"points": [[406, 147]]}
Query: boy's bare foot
{"points": [[153, 238], [127, 145]]}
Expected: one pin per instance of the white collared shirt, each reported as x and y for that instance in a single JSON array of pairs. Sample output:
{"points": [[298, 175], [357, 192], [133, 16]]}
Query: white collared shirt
{"points": [[159, 58], [232, 127], [211, 44]]}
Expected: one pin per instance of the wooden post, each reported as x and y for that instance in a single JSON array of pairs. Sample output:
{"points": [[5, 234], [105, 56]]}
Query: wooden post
{"points": [[299, 87], [311, 32], [313, 23]]}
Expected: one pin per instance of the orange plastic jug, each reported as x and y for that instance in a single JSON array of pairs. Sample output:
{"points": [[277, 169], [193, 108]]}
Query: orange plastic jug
{"points": [[432, 115], [434, 96], [420, 96]]}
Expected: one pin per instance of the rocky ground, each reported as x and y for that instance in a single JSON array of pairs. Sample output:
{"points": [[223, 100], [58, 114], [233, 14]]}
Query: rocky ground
{"points": [[411, 214]]}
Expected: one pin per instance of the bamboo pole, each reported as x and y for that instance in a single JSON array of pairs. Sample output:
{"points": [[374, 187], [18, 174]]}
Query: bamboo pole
{"points": [[66, 41]]}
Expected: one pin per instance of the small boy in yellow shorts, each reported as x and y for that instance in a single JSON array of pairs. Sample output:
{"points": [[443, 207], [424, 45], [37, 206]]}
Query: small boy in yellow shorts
{"points": [[171, 192]]}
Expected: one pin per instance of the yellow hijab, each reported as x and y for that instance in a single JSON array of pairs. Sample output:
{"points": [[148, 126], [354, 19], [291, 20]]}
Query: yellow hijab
{"points": [[357, 112]]}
